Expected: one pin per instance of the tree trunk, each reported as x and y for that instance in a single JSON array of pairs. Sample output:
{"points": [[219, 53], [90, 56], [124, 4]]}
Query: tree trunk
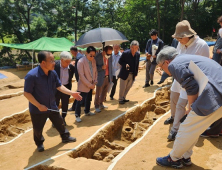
{"points": [[158, 15], [182, 9]]}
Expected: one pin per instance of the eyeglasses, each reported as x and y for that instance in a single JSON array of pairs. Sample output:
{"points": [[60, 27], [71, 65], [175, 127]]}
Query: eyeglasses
{"points": [[91, 55], [162, 64]]}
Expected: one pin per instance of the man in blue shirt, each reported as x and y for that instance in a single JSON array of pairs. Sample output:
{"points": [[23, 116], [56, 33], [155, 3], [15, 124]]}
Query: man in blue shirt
{"points": [[203, 109], [40, 89]]}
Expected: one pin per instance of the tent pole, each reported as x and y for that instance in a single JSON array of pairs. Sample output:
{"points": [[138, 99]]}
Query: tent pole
{"points": [[32, 57]]}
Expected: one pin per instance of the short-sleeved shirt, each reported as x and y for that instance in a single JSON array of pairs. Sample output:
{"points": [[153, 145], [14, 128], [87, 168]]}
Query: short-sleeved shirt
{"points": [[42, 87]]}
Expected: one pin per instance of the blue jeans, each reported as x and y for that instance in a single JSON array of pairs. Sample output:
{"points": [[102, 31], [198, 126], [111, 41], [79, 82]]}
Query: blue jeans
{"points": [[217, 57], [86, 98]]}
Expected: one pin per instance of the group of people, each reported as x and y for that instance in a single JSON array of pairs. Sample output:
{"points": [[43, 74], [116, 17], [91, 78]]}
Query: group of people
{"points": [[51, 82]]}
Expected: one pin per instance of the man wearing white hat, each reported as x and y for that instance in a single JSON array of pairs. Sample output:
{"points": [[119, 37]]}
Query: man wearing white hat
{"points": [[189, 43]]}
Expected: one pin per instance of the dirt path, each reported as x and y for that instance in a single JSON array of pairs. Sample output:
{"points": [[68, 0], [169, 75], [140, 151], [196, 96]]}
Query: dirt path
{"points": [[22, 153]]}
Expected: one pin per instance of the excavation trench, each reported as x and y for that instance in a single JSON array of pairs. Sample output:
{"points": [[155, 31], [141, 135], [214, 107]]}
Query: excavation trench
{"points": [[120, 133], [12, 126]]}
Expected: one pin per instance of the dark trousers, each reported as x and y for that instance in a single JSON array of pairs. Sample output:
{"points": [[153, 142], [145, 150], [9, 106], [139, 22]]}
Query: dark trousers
{"points": [[38, 122], [164, 76], [86, 98], [215, 128], [65, 101], [114, 86]]}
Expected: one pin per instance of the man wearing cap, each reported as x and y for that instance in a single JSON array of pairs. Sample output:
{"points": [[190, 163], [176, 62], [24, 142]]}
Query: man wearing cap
{"points": [[104, 68], [189, 43], [129, 62], [153, 47], [201, 114]]}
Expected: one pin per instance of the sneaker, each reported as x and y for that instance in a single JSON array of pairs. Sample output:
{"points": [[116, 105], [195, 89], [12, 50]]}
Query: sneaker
{"points": [[172, 136], [160, 82], [220, 134], [169, 121], [146, 85], [97, 110], [89, 114], [121, 102], [168, 162], [40, 148], [69, 139], [103, 107], [151, 82], [207, 135], [78, 119], [186, 162]]}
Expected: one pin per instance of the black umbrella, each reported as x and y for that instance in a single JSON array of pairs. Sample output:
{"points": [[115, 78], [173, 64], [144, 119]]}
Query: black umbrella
{"points": [[101, 37]]}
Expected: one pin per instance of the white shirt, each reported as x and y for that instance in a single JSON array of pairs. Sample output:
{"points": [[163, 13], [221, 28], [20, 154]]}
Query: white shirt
{"points": [[115, 62], [197, 47]]}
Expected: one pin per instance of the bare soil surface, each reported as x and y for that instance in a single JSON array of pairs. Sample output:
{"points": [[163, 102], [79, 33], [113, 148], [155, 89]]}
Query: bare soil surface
{"points": [[97, 154]]}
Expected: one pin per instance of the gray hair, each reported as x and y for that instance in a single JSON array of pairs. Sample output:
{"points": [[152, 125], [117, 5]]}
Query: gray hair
{"points": [[167, 53], [65, 55], [134, 42]]}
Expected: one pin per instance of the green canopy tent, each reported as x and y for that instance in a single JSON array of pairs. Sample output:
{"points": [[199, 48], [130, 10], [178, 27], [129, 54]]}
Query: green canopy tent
{"points": [[44, 43]]}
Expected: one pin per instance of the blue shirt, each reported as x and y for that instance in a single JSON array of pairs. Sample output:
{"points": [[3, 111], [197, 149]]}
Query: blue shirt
{"points": [[211, 98], [42, 87]]}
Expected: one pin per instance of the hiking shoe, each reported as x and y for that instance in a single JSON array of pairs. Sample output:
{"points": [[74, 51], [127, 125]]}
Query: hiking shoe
{"points": [[172, 135], [78, 119], [169, 121], [69, 139], [207, 135], [40, 148], [121, 102], [186, 162], [89, 114], [103, 107], [160, 82], [97, 110], [146, 85], [220, 134], [168, 162], [151, 82]]}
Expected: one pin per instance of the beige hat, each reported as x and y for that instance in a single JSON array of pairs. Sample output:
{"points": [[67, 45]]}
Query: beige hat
{"points": [[183, 29]]}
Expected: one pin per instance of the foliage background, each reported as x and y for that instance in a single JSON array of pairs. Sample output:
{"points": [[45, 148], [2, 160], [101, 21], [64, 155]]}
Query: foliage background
{"points": [[22, 21]]}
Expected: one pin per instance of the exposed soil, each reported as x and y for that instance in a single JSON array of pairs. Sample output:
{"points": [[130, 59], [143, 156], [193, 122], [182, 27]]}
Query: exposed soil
{"points": [[45, 167], [12, 126], [119, 134]]}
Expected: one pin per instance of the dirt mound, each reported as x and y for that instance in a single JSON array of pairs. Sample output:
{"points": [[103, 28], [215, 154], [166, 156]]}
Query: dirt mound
{"points": [[119, 134], [44, 167]]}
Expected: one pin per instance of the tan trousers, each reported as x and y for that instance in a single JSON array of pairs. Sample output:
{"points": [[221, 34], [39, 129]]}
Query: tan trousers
{"points": [[189, 132], [101, 92], [174, 96], [125, 86], [180, 112]]}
